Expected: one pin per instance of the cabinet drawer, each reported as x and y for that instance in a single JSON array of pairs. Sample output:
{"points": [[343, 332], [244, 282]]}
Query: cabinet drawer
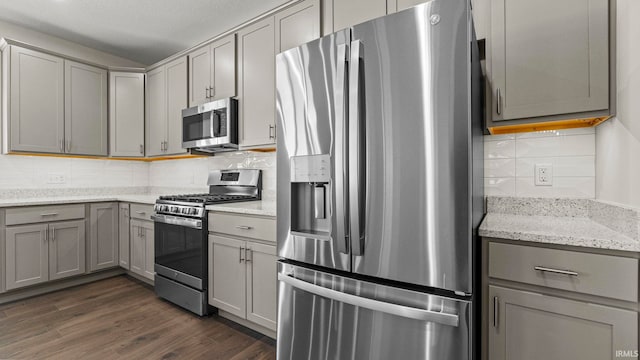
{"points": [[243, 225], [566, 270], [38, 214], [141, 211]]}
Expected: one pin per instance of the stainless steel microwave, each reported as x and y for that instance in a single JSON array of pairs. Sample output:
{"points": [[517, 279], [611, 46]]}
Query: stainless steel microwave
{"points": [[211, 127]]}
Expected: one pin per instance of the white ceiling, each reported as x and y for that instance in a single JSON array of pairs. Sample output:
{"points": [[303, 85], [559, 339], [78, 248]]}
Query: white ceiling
{"points": [[142, 30]]}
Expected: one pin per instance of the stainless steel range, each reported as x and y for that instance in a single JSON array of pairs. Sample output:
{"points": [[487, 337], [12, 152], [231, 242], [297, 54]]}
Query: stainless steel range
{"points": [[181, 236]]}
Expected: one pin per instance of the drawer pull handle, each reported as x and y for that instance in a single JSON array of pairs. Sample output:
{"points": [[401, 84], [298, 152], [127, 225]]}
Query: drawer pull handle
{"points": [[244, 227], [49, 214], [141, 212], [556, 271]]}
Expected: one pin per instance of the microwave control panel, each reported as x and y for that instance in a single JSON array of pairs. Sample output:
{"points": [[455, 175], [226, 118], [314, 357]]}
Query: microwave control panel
{"points": [[311, 168]]}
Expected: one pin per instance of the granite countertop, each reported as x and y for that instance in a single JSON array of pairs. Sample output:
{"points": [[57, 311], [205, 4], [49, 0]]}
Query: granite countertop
{"points": [[561, 222], [56, 200], [264, 207]]}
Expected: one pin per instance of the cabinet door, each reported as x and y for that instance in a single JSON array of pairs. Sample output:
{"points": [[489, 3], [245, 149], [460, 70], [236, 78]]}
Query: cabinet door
{"points": [[66, 249], [257, 84], [228, 292], [138, 247], [530, 326], [37, 101], [176, 86], [85, 111], [123, 236], [199, 76], [262, 284], [560, 67], [224, 68], [149, 250], [126, 114], [104, 236], [351, 12], [156, 116], [26, 255], [297, 25]]}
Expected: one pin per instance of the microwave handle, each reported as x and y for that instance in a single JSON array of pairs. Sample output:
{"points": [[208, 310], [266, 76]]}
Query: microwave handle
{"points": [[217, 125]]}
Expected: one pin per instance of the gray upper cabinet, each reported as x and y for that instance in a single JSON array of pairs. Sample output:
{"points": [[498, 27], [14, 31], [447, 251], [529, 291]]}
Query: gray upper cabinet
{"points": [[297, 25], [351, 12], [548, 58], [212, 71], [166, 96], [156, 114], [176, 76], [103, 243], [36, 102], [66, 249], [85, 109], [404, 4], [126, 114], [26, 255], [530, 326], [256, 80], [56, 105]]}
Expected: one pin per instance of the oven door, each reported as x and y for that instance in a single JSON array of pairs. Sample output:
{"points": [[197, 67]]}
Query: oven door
{"points": [[180, 248]]}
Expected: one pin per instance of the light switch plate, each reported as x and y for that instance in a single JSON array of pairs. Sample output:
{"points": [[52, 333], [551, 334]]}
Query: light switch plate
{"points": [[543, 174]]}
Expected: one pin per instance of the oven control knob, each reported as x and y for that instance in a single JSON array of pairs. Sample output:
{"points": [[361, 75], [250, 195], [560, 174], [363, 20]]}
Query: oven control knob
{"points": [[193, 212], [185, 210], [174, 209], [164, 208]]}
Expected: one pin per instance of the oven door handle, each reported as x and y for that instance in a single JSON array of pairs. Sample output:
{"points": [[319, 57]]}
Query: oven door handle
{"points": [[174, 220]]}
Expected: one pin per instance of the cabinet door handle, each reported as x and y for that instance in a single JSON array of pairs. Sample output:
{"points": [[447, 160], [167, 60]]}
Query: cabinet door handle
{"points": [[496, 308], [53, 233], [206, 92], [61, 146], [141, 149], [248, 255], [272, 134], [212, 91], [243, 227], [68, 145], [46, 235], [241, 253], [498, 102], [555, 271]]}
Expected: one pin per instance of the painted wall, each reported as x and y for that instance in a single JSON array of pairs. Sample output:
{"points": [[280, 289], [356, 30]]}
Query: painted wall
{"points": [[618, 140]]}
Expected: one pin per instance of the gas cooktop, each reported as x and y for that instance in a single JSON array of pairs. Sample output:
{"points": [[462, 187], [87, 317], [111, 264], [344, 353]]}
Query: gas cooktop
{"points": [[208, 199]]}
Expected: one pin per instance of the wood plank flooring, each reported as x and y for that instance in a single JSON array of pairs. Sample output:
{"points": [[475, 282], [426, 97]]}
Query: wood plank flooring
{"points": [[120, 318]]}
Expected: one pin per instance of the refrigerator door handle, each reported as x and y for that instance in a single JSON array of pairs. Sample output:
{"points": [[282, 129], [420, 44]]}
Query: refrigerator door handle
{"points": [[356, 144], [371, 304], [340, 159]]}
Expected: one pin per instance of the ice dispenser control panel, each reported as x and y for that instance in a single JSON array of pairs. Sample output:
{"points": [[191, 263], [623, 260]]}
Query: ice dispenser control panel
{"points": [[311, 168]]}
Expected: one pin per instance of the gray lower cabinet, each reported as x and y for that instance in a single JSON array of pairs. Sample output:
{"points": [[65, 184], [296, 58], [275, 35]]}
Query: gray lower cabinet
{"points": [[38, 253], [103, 244], [531, 326], [142, 250], [242, 279], [123, 235]]}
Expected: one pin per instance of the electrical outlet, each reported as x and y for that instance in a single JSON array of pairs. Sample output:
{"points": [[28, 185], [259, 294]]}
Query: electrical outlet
{"points": [[543, 174], [56, 179]]}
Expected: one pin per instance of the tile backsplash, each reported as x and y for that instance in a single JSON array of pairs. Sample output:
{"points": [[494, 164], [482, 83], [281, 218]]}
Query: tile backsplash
{"points": [[510, 162], [36, 172], [193, 172]]}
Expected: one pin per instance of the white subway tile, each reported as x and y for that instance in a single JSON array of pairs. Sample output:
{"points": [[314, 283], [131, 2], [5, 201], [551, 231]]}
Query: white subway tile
{"points": [[500, 186], [571, 145], [562, 166], [577, 187], [499, 137], [502, 149], [499, 168]]}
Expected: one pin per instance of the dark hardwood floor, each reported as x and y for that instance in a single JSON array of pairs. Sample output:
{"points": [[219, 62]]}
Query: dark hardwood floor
{"points": [[120, 318]]}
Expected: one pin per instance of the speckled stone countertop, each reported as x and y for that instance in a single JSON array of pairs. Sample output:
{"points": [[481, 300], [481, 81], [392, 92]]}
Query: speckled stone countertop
{"points": [[142, 199], [264, 207], [573, 222]]}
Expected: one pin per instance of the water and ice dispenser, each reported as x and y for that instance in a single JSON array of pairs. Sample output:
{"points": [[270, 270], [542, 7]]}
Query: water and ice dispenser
{"points": [[311, 194]]}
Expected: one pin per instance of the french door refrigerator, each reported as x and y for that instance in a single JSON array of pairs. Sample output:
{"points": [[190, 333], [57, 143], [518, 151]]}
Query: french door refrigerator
{"points": [[379, 180]]}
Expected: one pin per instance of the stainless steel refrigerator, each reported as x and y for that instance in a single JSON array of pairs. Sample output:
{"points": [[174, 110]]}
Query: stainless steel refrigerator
{"points": [[380, 189]]}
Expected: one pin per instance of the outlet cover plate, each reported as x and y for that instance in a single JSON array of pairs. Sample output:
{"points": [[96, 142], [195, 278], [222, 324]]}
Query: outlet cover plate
{"points": [[543, 174]]}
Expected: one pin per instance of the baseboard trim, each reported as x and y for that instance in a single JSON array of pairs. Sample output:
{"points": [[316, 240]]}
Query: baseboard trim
{"points": [[20, 294], [248, 324]]}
